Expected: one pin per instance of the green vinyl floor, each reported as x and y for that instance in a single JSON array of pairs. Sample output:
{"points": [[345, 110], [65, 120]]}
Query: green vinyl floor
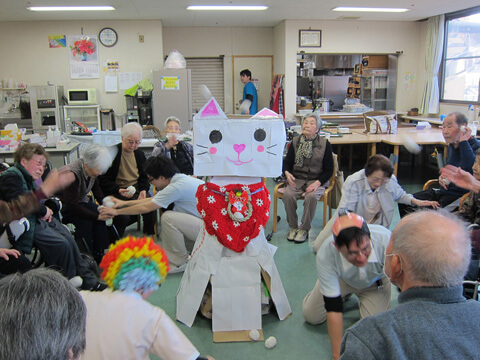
{"points": [[296, 265]]}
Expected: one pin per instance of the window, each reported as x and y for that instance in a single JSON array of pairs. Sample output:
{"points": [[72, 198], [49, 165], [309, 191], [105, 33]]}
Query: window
{"points": [[461, 57]]}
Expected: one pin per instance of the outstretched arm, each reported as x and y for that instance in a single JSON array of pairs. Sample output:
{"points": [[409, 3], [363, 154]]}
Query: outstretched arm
{"points": [[461, 178]]}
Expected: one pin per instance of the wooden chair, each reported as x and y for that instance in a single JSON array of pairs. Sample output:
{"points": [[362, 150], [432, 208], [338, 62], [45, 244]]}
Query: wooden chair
{"points": [[152, 132], [367, 115], [325, 198], [430, 184]]}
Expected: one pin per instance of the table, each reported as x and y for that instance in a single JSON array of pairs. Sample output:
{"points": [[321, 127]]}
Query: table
{"points": [[431, 136], [64, 151], [431, 120], [356, 137]]}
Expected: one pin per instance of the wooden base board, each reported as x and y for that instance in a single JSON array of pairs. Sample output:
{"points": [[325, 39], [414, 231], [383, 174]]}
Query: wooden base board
{"points": [[234, 336]]}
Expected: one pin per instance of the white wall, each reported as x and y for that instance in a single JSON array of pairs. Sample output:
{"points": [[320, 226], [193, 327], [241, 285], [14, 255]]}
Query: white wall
{"points": [[216, 41], [358, 37], [26, 56], [279, 48]]}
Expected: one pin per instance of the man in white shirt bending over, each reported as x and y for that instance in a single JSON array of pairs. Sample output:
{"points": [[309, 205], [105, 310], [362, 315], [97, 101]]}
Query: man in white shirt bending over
{"points": [[181, 224], [349, 261]]}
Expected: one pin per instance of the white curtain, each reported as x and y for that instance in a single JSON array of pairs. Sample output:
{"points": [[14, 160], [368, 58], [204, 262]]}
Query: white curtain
{"points": [[433, 58]]}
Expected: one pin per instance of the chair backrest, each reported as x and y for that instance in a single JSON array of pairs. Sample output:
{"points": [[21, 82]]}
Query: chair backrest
{"points": [[379, 121], [378, 112], [335, 169], [151, 132]]}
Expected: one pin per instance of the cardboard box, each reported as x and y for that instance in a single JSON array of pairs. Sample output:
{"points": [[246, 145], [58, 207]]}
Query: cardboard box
{"points": [[375, 62], [358, 69], [355, 80]]}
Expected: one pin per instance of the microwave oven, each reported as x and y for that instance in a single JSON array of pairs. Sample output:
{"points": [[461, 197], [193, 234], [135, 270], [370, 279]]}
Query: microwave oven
{"points": [[82, 96]]}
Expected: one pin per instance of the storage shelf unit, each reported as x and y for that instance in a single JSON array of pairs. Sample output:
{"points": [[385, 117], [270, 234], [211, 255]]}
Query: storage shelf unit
{"points": [[88, 115], [374, 89]]}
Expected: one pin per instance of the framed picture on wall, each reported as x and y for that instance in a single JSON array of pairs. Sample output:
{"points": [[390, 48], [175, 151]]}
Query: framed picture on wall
{"points": [[309, 38]]}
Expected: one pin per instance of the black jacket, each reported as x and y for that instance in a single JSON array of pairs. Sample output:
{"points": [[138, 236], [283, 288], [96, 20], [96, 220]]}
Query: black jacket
{"points": [[108, 180]]}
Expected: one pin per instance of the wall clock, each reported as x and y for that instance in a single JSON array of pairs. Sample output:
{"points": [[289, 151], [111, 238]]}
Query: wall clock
{"points": [[108, 37]]}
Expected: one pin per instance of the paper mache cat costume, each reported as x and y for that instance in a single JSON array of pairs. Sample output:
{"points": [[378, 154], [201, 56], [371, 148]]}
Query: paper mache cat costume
{"points": [[231, 251]]}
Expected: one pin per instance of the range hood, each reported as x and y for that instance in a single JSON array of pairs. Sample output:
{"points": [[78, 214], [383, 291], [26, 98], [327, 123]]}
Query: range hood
{"points": [[331, 62]]}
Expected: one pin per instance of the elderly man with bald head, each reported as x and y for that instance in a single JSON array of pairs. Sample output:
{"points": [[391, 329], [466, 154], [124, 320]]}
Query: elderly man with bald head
{"points": [[427, 257]]}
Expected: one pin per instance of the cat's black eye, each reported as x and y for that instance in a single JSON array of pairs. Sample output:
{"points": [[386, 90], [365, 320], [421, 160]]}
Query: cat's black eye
{"points": [[215, 136], [260, 135]]}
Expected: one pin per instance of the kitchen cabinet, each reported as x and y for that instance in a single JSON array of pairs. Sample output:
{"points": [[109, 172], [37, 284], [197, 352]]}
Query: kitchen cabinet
{"points": [[88, 115], [378, 89]]}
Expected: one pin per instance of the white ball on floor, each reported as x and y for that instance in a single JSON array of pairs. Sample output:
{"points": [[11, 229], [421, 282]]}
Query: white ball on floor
{"points": [[254, 335], [271, 342], [131, 190], [410, 145]]}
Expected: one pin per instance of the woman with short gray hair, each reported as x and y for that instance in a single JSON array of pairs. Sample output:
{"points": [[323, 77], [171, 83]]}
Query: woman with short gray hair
{"points": [[79, 208], [179, 151], [42, 316], [308, 166]]}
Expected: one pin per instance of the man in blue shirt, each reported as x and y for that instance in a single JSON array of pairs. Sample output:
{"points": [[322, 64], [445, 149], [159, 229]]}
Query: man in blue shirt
{"points": [[249, 92]]}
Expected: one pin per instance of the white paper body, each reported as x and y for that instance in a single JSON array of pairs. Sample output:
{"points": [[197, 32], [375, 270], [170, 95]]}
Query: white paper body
{"points": [[235, 279]]}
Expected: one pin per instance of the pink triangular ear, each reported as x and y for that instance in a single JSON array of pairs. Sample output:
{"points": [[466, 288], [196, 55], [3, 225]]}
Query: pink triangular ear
{"points": [[210, 109], [266, 113]]}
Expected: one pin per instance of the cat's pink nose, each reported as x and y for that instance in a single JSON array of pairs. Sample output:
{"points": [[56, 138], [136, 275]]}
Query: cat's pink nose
{"points": [[238, 148]]}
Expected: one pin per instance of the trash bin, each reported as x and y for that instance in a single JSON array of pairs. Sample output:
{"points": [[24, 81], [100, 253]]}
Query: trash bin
{"points": [[108, 119]]}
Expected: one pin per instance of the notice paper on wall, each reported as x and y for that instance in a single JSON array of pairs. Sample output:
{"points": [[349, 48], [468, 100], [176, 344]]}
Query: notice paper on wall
{"points": [[111, 83], [129, 79]]}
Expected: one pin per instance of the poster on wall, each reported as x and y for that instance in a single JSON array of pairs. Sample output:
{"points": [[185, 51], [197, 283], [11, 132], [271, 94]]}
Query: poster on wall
{"points": [[83, 56], [409, 80], [56, 41], [170, 83], [111, 66], [129, 79]]}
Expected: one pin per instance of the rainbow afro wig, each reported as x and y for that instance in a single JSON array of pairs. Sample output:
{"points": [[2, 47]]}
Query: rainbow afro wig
{"points": [[134, 264]]}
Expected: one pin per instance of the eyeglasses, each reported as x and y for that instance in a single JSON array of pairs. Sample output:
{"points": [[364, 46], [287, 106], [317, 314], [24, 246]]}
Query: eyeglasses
{"points": [[40, 163], [365, 251], [133, 142], [150, 179], [377, 180]]}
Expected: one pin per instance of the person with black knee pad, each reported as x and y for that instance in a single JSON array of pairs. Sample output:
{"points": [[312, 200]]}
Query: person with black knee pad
{"points": [[349, 261]]}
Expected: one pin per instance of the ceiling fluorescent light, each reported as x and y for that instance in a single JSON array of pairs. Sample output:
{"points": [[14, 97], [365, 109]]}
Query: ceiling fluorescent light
{"points": [[70, 8], [367, 9], [227, 7]]}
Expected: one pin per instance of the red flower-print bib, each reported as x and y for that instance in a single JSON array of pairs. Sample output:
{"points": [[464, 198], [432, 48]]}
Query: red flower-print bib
{"points": [[234, 213]]}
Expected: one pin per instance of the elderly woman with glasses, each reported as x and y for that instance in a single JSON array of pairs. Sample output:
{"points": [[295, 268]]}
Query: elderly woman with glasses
{"points": [[372, 193], [179, 151], [127, 170], [308, 166]]}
